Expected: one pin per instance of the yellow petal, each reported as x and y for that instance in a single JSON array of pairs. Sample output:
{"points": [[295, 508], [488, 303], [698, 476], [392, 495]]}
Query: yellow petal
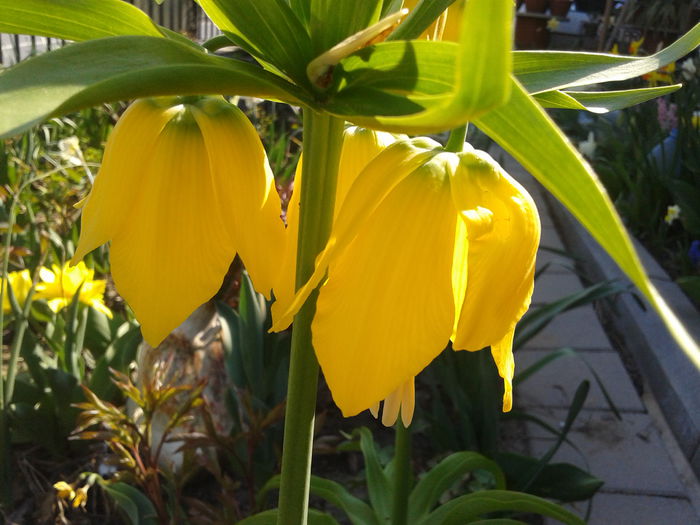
{"points": [[502, 353], [370, 188], [360, 146], [172, 249], [244, 188], [123, 166], [504, 231], [386, 309]]}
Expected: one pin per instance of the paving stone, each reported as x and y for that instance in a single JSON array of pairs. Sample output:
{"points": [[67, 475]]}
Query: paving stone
{"points": [[578, 328], [556, 384], [550, 287], [628, 455], [624, 509], [550, 238]]}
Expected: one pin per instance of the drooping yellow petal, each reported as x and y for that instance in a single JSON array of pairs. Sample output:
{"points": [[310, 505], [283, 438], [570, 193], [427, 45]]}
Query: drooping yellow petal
{"points": [[370, 188], [386, 309], [436, 29], [360, 146], [502, 353], [123, 165], [244, 189], [173, 247], [504, 231]]}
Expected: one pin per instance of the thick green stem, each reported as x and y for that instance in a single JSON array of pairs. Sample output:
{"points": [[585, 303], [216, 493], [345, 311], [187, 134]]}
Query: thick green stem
{"points": [[455, 142], [402, 475], [323, 136]]}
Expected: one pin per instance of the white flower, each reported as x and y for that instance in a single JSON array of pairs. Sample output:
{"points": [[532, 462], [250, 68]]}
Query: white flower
{"points": [[587, 147], [688, 69], [70, 152], [672, 214]]}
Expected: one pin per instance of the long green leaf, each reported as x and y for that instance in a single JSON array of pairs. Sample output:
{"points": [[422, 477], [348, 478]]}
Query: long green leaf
{"points": [[523, 129], [440, 478], [119, 68], [378, 486], [601, 101], [268, 29], [483, 62], [547, 70], [74, 19], [472, 506], [357, 510]]}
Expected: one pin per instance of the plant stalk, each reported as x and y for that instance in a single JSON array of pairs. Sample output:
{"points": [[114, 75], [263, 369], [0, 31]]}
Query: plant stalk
{"points": [[402, 474], [455, 142], [323, 137]]}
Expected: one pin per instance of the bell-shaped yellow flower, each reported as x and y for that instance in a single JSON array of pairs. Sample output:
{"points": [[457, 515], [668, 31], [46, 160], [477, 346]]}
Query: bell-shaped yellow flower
{"points": [[21, 283], [60, 284], [428, 246], [360, 146], [184, 186]]}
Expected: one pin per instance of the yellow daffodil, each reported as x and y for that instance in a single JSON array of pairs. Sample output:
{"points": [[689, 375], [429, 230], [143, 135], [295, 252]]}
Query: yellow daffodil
{"points": [[184, 186], [427, 247], [673, 213], [60, 284], [635, 45], [21, 283]]}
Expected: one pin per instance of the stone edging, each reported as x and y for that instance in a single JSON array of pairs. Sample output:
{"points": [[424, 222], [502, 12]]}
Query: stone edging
{"points": [[672, 378]]}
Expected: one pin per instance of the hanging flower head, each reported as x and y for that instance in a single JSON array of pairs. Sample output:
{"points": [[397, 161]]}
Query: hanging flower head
{"points": [[427, 247], [184, 186]]}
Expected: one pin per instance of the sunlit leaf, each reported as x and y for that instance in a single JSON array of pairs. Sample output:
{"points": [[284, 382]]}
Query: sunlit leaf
{"points": [[480, 83], [523, 129], [601, 101], [547, 70], [74, 19], [120, 68]]}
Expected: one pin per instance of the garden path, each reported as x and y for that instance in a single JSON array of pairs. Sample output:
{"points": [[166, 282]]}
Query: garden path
{"points": [[647, 479]]}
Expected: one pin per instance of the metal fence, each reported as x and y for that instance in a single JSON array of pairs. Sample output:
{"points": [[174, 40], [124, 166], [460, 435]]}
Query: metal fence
{"points": [[183, 16]]}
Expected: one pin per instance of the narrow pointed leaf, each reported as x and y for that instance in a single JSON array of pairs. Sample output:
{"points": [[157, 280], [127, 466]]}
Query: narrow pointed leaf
{"points": [[547, 70], [466, 509], [120, 68], [378, 485], [268, 29], [523, 129], [601, 101], [357, 510], [479, 83], [74, 19]]}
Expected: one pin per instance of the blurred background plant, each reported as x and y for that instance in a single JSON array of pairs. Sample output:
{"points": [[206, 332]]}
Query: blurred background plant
{"points": [[648, 158]]}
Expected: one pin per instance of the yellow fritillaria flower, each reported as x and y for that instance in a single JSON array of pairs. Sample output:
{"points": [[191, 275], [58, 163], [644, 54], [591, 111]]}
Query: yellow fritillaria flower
{"points": [[427, 247], [60, 284], [21, 283], [360, 146], [184, 186]]}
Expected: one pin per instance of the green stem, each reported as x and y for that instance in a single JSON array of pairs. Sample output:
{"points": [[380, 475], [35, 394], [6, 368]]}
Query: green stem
{"points": [[455, 142], [5, 451], [402, 474], [323, 137]]}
